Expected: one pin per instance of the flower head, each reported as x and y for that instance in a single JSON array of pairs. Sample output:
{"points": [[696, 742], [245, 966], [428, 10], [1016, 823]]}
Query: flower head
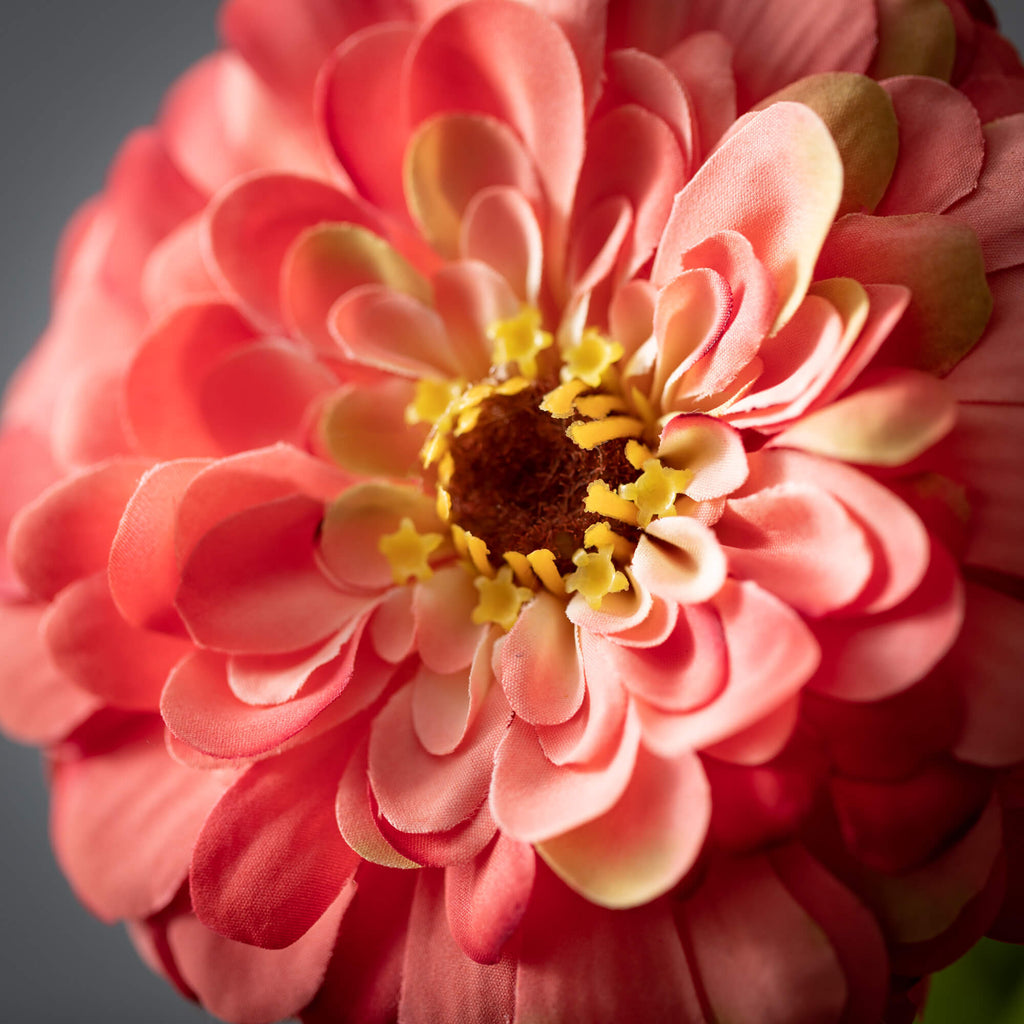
{"points": [[554, 519]]}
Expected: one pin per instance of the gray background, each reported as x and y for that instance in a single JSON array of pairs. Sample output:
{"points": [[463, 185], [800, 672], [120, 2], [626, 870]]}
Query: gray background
{"points": [[75, 77]]}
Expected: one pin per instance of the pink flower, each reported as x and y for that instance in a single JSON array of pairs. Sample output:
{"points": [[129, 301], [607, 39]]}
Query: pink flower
{"points": [[554, 551]]}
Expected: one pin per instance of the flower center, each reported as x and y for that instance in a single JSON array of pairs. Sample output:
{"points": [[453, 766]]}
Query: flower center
{"points": [[519, 482]]}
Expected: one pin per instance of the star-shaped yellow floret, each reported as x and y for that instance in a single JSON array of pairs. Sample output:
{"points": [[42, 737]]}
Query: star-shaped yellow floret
{"points": [[595, 576], [519, 339], [407, 551], [590, 357], [654, 492], [500, 599]]}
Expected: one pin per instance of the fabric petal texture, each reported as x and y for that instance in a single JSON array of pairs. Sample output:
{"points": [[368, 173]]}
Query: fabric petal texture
{"points": [[515, 517]]}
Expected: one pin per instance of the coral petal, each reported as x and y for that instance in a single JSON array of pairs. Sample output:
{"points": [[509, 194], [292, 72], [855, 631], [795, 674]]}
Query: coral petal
{"points": [[124, 822], [645, 843], [270, 860]]}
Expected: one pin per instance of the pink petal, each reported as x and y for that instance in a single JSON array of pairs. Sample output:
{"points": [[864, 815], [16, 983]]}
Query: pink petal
{"points": [[124, 822], [220, 122], [486, 898], [286, 42], [456, 67], [983, 456], [761, 742], [355, 523], [267, 679], [175, 273], [703, 64], [871, 657], [392, 332], [778, 44], [236, 484], [638, 78], [38, 703], [632, 153], [470, 296], [441, 983], [363, 429], [143, 570], [743, 919], [680, 560], [934, 169], [325, 262], [992, 370], [987, 209], [365, 972], [939, 260], [359, 91], [500, 229], [684, 672], [252, 584], [66, 532], [200, 709], [782, 160], [252, 226], [644, 845], [249, 985], [457, 845], [984, 661], [898, 539], [440, 182], [393, 628], [88, 427], [798, 542], [632, 961], [771, 656], [692, 313], [852, 931], [270, 860], [533, 799], [89, 641], [162, 389], [890, 420], [261, 395], [540, 668], [711, 449], [444, 705], [420, 792], [752, 310]]}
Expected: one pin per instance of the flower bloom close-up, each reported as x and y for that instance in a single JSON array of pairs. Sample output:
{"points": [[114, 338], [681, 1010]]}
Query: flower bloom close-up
{"points": [[516, 514]]}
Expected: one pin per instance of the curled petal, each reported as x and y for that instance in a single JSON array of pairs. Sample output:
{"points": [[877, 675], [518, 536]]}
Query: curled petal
{"points": [[645, 843], [66, 532], [540, 668], [533, 799], [253, 224], [680, 560], [783, 160], [440, 182], [799, 543], [270, 860], [325, 262], [486, 898], [124, 822], [420, 792], [771, 656], [711, 449], [240, 982], [890, 420]]}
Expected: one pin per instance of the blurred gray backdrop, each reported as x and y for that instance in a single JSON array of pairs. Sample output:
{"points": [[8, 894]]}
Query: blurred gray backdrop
{"points": [[75, 77]]}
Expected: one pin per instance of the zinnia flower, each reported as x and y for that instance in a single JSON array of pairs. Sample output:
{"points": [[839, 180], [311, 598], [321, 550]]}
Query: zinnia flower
{"points": [[515, 516]]}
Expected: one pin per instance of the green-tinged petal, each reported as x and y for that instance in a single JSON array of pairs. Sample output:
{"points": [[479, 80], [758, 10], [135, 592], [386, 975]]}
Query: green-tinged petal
{"points": [[860, 116], [915, 37]]}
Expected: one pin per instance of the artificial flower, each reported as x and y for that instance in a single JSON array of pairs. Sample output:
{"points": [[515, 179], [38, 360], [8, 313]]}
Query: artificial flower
{"points": [[514, 515]]}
